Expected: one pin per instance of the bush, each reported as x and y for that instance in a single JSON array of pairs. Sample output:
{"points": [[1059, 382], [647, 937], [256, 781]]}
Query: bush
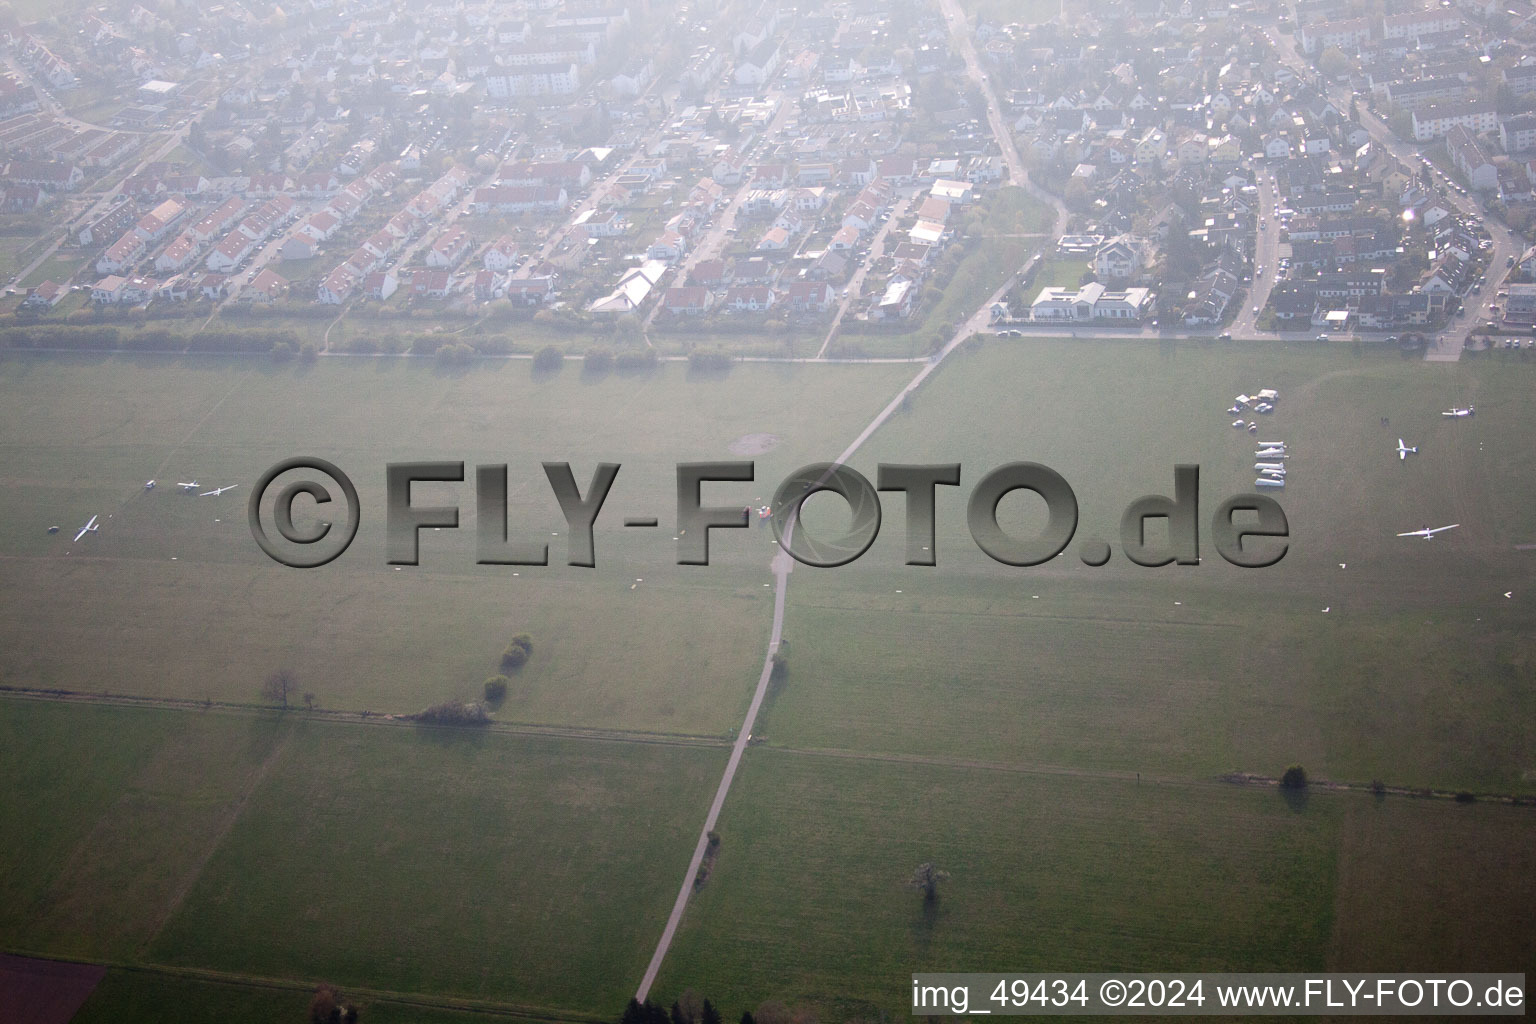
{"points": [[709, 360], [598, 360], [1378, 787], [548, 359], [1295, 777], [453, 712], [1466, 797], [636, 361], [454, 354], [496, 689]]}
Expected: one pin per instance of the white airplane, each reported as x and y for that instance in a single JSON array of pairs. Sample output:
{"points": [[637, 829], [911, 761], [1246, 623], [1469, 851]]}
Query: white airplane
{"points": [[186, 486], [1458, 413], [1427, 533], [1404, 449], [218, 491], [90, 527]]}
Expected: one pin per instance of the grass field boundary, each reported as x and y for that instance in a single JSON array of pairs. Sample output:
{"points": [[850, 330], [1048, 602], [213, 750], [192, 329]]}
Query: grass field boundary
{"points": [[490, 1008], [325, 715], [1235, 778]]}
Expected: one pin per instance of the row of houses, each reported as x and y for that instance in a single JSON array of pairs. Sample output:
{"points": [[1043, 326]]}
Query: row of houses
{"points": [[414, 218]]}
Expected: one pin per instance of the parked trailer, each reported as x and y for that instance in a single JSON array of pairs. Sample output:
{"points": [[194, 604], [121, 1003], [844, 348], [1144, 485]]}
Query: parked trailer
{"points": [[1269, 465], [1269, 481], [1272, 444], [1268, 395]]}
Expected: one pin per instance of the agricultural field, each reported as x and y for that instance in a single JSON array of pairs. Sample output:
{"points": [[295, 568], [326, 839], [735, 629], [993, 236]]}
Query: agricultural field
{"points": [[808, 903], [535, 869]]}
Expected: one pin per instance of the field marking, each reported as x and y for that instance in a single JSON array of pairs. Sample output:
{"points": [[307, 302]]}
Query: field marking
{"points": [[227, 821], [486, 1007], [595, 734]]}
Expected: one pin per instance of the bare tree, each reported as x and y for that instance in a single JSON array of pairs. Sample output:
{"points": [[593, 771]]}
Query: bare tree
{"points": [[927, 878], [278, 686]]}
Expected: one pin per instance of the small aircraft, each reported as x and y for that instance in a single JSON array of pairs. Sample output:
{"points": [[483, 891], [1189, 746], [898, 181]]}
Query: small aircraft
{"points": [[1455, 412], [90, 527], [1404, 449], [218, 491], [188, 486], [1427, 533]]}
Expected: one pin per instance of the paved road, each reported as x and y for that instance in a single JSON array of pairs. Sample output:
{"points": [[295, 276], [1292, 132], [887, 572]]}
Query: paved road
{"points": [[1266, 255], [856, 283], [960, 30]]}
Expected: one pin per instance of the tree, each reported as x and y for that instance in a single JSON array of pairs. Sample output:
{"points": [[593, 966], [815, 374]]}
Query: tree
{"points": [[1295, 777], [709, 1015], [518, 652], [689, 1007], [279, 686], [496, 689], [327, 1007], [323, 1008], [548, 359], [927, 877], [1333, 62]]}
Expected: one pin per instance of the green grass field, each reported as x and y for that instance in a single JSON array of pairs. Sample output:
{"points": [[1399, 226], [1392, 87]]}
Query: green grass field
{"points": [[149, 795], [535, 870], [808, 901], [171, 572], [988, 718], [808, 905], [1419, 673]]}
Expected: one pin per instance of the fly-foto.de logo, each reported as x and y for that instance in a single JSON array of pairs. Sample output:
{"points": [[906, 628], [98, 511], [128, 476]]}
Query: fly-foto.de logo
{"points": [[1248, 530]]}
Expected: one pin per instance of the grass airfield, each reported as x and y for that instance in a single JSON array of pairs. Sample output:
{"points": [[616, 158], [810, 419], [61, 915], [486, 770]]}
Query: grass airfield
{"points": [[989, 718]]}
